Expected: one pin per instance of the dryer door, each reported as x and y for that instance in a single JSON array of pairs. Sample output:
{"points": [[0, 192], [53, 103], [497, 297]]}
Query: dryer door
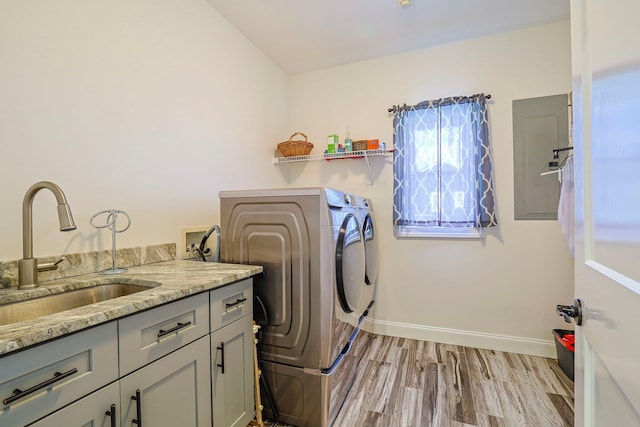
{"points": [[371, 259], [371, 250], [350, 266]]}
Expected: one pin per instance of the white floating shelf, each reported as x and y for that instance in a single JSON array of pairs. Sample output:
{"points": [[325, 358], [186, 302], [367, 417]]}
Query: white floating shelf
{"points": [[360, 154], [333, 156]]}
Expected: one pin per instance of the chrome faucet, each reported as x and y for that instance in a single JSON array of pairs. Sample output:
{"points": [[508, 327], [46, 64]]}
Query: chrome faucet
{"points": [[28, 266]]}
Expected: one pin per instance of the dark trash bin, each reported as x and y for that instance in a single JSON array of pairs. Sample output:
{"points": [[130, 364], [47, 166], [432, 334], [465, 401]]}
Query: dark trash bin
{"points": [[565, 349]]}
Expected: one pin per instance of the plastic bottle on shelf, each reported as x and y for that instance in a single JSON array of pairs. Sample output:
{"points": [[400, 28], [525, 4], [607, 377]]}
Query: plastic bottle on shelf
{"points": [[332, 143], [348, 142]]}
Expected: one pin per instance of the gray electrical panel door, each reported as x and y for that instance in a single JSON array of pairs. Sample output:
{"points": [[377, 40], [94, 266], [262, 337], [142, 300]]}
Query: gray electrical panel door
{"points": [[540, 125]]}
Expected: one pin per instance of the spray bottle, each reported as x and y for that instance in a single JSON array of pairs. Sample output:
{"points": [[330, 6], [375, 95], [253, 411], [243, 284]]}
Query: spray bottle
{"points": [[348, 142]]}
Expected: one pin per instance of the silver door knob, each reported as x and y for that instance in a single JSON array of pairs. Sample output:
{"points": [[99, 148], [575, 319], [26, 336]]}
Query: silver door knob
{"points": [[571, 311]]}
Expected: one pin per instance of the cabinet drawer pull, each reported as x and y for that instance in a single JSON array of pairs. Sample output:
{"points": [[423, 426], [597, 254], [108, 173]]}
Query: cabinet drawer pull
{"points": [[179, 326], [138, 419], [221, 348], [233, 304], [19, 394], [112, 414]]}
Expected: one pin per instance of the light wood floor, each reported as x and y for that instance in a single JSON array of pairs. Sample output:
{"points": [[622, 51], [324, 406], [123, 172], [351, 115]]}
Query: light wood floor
{"points": [[409, 383]]}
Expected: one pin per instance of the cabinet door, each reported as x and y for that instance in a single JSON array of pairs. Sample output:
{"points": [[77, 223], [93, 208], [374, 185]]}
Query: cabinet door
{"points": [[95, 410], [232, 374], [172, 391]]}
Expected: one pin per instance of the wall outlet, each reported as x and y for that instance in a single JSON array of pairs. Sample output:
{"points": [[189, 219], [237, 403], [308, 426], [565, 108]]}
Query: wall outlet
{"points": [[191, 236]]}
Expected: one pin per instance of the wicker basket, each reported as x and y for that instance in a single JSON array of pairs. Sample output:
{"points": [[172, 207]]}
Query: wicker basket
{"points": [[295, 148]]}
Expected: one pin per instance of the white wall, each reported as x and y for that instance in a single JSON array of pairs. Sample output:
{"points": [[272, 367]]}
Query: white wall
{"points": [[150, 106], [500, 292]]}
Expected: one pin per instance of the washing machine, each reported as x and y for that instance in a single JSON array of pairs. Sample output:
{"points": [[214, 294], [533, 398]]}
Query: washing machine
{"points": [[311, 297]]}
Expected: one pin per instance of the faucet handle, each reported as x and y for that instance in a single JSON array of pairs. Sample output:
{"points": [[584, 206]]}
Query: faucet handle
{"points": [[49, 266]]}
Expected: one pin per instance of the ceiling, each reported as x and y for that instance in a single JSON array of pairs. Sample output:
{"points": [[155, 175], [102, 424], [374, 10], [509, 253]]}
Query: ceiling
{"points": [[306, 35]]}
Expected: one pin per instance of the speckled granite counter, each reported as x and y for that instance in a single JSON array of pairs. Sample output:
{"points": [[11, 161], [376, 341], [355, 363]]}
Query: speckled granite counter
{"points": [[168, 281]]}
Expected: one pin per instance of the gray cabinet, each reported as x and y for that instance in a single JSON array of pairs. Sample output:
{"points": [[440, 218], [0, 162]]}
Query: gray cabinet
{"points": [[232, 374], [172, 391], [169, 347], [232, 354], [154, 367]]}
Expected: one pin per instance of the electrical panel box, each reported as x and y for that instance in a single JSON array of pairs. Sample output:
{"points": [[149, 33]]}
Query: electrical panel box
{"points": [[540, 125]]}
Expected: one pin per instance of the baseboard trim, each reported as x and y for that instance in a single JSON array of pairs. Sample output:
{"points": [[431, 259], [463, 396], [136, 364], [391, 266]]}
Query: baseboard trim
{"points": [[531, 346]]}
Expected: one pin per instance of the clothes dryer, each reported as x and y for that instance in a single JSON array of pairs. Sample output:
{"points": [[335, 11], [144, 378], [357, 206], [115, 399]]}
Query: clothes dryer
{"points": [[313, 292]]}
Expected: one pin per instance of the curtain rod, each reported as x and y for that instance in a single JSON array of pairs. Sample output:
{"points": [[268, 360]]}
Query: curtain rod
{"points": [[392, 109]]}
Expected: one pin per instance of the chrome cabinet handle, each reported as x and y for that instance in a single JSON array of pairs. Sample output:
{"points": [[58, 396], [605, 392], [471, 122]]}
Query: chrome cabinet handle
{"points": [[179, 326], [233, 304], [19, 394], [138, 401], [112, 414], [221, 365]]}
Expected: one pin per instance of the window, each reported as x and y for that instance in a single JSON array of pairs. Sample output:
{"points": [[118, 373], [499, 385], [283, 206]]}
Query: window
{"points": [[442, 168]]}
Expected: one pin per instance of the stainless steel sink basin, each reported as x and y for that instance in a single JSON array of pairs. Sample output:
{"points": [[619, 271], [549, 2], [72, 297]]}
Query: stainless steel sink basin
{"points": [[50, 304]]}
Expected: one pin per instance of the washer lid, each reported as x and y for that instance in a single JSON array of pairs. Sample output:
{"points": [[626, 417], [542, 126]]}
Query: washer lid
{"points": [[350, 266]]}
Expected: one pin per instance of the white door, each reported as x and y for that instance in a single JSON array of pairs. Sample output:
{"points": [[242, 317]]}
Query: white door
{"points": [[606, 85]]}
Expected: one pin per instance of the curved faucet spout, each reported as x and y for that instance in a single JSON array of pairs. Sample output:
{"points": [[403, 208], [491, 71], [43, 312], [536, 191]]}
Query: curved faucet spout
{"points": [[201, 249], [28, 273]]}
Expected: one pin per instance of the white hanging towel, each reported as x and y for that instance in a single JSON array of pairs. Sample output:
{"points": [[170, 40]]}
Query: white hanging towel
{"points": [[566, 204]]}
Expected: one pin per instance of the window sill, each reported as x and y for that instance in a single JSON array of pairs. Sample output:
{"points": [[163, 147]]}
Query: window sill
{"points": [[438, 233]]}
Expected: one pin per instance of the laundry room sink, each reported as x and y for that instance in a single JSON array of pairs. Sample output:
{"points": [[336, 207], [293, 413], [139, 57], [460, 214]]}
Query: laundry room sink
{"points": [[42, 306]]}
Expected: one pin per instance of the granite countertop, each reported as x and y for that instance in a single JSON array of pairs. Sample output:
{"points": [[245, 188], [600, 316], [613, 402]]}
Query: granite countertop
{"points": [[167, 281]]}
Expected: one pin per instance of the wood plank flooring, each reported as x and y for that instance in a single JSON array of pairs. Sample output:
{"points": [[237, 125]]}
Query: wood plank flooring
{"points": [[409, 383]]}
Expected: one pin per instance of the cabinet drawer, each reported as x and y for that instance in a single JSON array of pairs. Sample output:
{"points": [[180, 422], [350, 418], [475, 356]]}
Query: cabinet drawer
{"points": [[150, 335], [230, 303], [54, 374]]}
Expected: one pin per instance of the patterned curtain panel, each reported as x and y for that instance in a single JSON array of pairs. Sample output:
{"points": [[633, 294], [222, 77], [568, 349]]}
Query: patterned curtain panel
{"points": [[442, 164]]}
